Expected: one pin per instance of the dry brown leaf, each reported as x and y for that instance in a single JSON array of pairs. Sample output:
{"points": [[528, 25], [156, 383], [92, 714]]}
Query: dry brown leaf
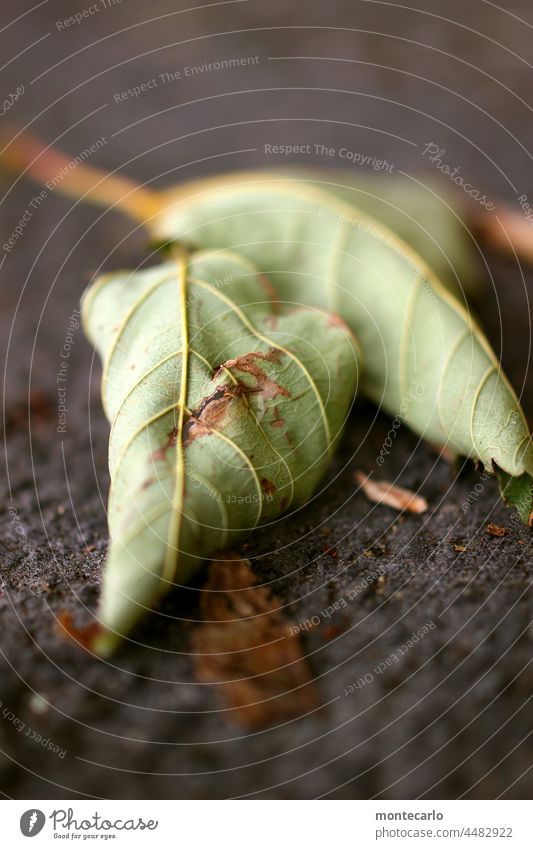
{"points": [[82, 634], [247, 650], [383, 492], [495, 530]]}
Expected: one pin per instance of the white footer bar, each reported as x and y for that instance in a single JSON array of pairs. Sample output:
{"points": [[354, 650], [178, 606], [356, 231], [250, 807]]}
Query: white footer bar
{"points": [[276, 824]]}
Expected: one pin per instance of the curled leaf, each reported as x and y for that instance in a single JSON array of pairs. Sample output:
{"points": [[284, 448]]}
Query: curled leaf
{"points": [[423, 214], [225, 410], [426, 359]]}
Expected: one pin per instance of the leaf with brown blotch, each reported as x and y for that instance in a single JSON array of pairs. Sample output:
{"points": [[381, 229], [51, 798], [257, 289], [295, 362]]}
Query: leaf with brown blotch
{"points": [[225, 408], [247, 650], [383, 492], [425, 359]]}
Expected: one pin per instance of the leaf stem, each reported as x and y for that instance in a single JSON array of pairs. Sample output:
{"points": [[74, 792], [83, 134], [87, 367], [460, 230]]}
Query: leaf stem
{"points": [[508, 232], [28, 156]]}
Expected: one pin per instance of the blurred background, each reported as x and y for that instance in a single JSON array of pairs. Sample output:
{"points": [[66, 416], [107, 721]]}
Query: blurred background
{"points": [[165, 92]]}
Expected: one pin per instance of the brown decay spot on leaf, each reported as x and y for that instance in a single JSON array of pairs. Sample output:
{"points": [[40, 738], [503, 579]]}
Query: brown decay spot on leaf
{"points": [[496, 530], [267, 486], [277, 421], [208, 414], [383, 492], [270, 291], [84, 636], [211, 410], [248, 364], [247, 650], [160, 453]]}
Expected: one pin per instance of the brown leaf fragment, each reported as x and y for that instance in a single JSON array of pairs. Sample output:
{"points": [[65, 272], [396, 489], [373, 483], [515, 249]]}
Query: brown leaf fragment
{"points": [[383, 492], [83, 635], [459, 548], [247, 649], [496, 530], [36, 410], [331, 632], [509, 232]]}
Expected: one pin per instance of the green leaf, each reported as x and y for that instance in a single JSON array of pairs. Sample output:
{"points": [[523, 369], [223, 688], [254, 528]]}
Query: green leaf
{"points": [[225, 408], [424, 216], [426, 359], [518, 493]]}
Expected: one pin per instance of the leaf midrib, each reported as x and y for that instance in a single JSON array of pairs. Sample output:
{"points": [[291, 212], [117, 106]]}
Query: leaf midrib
{"points": [[176, 520]]}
